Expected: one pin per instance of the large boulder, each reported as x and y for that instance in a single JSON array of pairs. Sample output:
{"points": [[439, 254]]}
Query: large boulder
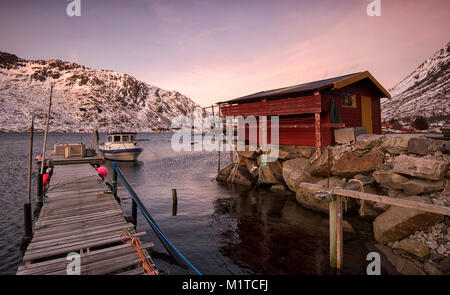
{"points": [[296, 171], [420, 167], [279, 188], [417, 186], [351, 162], [368, 141], [402, 265], [414, 247], [296, 152], [306, 199], [389, 179], [398, 143], [322, 166], [271, 173], [423, 146], [247, 154], [251, 166], [397, 222], [242, 176]]}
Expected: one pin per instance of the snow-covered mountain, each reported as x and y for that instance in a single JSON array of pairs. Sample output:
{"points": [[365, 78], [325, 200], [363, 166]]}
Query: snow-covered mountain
{"points": [[83, 98], [425, 92]]}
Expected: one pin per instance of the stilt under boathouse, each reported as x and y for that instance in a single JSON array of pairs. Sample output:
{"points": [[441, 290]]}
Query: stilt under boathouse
{"points": [[308, 112]]}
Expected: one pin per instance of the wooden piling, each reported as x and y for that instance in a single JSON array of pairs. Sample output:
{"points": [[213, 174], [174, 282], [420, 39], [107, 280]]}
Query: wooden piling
{"points": [[174, 202], [333, 233], [27, 207], [219, 140], [339, 233], [46, 130], [336, 212]]}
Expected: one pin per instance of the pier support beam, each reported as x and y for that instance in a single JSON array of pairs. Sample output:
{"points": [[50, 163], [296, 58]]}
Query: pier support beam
{"points": [[134, 213], [336, 233], [114, 184]]}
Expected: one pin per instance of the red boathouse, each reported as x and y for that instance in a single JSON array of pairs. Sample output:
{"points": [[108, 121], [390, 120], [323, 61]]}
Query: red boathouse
{"points": [[308, 112]]}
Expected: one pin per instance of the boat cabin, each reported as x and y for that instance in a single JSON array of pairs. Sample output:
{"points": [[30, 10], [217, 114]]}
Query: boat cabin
{"points": [[121, 137]]}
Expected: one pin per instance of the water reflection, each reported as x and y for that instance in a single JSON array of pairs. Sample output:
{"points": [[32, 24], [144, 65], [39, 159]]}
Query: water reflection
{"points": [[270, 234]]}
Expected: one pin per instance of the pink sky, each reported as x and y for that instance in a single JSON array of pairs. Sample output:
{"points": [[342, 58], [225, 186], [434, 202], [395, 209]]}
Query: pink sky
{"points": [[341, 42], [217, 50]]}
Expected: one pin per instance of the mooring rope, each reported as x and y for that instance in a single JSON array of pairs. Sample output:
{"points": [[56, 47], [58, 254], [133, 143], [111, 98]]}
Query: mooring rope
{"points": [[361, 189]]}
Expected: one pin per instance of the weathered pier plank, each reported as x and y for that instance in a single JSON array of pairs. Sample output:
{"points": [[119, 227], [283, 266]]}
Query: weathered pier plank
{"points": [[79, 215]]}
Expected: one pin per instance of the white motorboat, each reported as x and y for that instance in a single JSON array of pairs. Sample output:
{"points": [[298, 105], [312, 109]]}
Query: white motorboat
{"points": [[120, 146]]}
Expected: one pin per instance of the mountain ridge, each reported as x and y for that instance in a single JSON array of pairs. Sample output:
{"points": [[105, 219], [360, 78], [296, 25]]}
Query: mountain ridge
{"points": [[83, 98], [424, 92]]}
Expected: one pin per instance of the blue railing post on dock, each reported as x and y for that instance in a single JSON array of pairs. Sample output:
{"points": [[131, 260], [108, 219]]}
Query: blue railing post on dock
{"points": [[114, 183], [179, 258]]}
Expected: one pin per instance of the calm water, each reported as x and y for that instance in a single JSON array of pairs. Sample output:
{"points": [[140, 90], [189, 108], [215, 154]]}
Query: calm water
{"points": [[220, 228]]}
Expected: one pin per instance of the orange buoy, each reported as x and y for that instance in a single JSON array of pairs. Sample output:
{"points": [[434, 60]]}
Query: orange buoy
{"points": [[102, 171], [38, 157]]}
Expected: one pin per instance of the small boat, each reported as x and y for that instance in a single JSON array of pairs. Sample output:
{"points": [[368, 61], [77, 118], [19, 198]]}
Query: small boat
{"points": [[120, 146]]}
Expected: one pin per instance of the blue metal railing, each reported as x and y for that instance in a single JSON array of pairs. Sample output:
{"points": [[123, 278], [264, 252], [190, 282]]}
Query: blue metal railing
{"points": [[179, 258]]}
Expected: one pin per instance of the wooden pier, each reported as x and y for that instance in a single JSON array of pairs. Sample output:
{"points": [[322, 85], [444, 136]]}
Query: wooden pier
{"points": [[81, 215]]}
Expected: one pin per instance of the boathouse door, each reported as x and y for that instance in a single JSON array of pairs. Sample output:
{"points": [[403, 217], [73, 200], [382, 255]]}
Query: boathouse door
{"points": [[366, 113]]}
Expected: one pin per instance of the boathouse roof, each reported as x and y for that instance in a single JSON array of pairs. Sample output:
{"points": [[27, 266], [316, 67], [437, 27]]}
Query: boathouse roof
{"points": [[333, 83]]}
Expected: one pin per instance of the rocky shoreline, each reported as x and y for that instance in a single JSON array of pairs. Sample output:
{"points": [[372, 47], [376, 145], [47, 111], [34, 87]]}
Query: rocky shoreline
{"points": [[407, 166]]}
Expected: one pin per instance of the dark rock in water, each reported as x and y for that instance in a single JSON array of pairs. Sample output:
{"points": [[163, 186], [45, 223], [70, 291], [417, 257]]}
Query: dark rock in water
{"points": [[279, 188], [251, 165], [242, 176], [322, 166], [271, 173]]}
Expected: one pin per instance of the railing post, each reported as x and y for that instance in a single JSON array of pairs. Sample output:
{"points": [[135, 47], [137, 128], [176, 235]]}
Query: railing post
{"points": [[114, 183], [134, 212], [339, 233], [336, 233], [40, 189], [333, 233]]}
